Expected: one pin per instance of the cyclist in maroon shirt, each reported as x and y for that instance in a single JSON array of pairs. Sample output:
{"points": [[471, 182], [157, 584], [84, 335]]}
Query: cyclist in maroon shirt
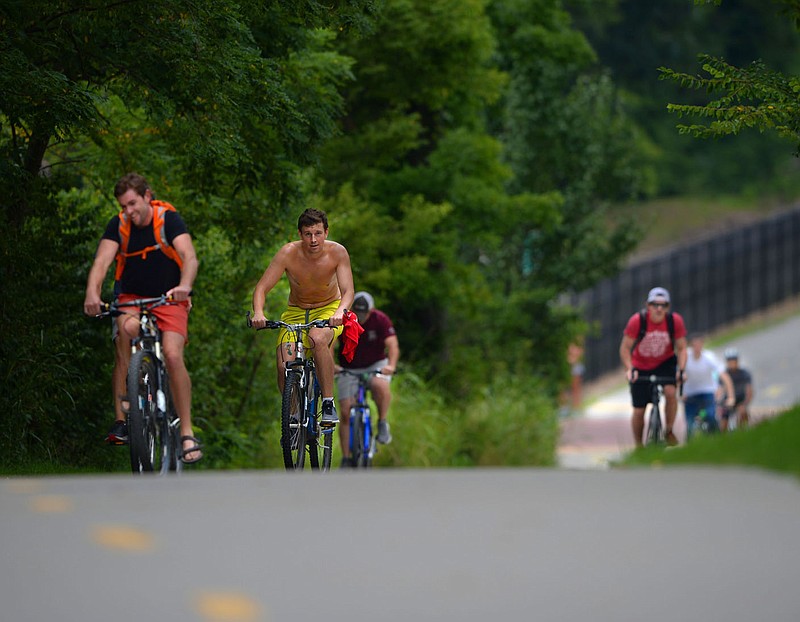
{"points": [[378, 350]]}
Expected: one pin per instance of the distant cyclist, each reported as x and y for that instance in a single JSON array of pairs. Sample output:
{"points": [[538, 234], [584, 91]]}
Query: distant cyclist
{"points": [[378, 350], [703, 374], [742, 383], [320, 288], [654, 343]]}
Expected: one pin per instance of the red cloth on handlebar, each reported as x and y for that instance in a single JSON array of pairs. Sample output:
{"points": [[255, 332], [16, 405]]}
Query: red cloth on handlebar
{"points": [[352, 331]]}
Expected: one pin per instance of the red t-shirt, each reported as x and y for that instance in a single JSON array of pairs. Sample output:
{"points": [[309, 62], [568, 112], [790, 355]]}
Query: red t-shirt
{"points": [[656, 345]]}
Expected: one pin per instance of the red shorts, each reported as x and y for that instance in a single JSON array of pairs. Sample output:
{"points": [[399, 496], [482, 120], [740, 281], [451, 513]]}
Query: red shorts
{"points": [[173, 317]]}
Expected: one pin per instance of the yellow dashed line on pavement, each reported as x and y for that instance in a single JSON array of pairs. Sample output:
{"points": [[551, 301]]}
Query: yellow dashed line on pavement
{"points": [[51, 504], [26, 486], [228, 607], [123, 538]]}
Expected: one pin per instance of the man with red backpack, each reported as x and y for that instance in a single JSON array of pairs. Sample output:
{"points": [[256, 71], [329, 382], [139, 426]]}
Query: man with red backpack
{"points": [[654, 343], [155, 256]]}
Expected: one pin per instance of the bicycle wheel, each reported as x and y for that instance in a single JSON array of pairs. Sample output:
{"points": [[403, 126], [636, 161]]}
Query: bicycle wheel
{"points": [[357, 436], [293, 430], [175, 447], [314, 401], [655, 434], [147, 431]]}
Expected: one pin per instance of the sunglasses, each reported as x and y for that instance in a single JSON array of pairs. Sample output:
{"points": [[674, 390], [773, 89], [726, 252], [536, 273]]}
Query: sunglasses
{"points": [[659, 305]]}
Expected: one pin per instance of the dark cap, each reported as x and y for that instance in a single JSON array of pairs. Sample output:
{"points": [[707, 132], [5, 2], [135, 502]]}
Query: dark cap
{"points": [[363, 303]]}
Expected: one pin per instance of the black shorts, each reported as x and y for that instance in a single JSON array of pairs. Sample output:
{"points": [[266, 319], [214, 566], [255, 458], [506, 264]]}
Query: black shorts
{"points": [[642, 391]]}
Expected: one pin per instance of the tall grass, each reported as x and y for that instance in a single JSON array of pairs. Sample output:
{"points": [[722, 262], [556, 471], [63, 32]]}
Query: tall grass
{"points": [[511, 423], [771, 444]]}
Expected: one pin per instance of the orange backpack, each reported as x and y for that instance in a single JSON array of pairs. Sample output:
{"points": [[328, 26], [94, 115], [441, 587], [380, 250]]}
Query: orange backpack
{"points": [[160, 208]]}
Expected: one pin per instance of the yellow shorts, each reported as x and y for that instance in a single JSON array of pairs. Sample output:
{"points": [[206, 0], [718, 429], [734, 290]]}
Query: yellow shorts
{"points": [[296, 315]]}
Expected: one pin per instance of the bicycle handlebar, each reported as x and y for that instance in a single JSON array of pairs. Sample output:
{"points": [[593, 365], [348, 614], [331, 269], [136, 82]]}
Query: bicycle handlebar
{"points": [[375, 373], [654, 379], [662, 380], [272, 324], [113, 308]]}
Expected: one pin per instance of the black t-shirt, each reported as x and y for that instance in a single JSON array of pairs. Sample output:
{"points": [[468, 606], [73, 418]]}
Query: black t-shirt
{"points": [[156, 274]]}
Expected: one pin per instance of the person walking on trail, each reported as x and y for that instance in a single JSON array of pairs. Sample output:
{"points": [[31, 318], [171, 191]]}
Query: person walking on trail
{"points": [[737, 391], [703, 375], [378, 350], [320, 288], [654, 343], [155, 256]]}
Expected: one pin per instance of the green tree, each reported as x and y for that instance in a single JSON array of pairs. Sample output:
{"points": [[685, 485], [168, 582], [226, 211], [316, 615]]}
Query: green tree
{"points": [[747, 97], [222, 115]]}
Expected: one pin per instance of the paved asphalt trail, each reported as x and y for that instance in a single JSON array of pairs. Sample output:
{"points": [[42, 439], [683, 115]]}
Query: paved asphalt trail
{"points": [[572, 544], [526, 544]]}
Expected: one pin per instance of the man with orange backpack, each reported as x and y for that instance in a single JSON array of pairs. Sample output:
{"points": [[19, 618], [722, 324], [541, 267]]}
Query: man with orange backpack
{"points": [[155, 256]]}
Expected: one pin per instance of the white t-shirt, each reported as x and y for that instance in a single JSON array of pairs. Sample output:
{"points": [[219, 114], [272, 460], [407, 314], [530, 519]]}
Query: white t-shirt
{"points": [[702, 375]]}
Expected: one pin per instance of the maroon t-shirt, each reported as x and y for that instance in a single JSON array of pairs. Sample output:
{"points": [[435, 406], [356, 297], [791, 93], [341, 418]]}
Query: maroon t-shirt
{"points": [[372, 343]]}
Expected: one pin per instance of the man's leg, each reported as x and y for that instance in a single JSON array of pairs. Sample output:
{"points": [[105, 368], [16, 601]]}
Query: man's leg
{"points": [[118, 434], [670, 411], [181, 386], [382, 394], [345, 404], [637, 424], [322, 338]]}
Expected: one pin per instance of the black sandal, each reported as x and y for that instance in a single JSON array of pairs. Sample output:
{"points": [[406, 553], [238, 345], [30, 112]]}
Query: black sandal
{"points": [[196, 447]]}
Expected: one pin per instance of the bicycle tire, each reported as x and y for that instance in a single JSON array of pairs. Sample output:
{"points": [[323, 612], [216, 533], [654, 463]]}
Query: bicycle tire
{"points": [[147, 431], [369, 441], [314, 405], [357, 434], [655, 433], [327, 449], [293, 432], [174, 429]]}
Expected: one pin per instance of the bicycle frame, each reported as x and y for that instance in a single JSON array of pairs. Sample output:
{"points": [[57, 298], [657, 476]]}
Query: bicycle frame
{"points": [[153, 425], [655, 426], [301, 431], [363, 443]]}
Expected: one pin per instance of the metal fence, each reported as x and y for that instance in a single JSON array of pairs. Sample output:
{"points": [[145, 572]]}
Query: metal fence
{"points": [[712, 282]]}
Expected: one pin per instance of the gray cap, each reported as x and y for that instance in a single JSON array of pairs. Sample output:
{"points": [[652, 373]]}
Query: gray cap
{"points": [[363, 303], [656, 293]]}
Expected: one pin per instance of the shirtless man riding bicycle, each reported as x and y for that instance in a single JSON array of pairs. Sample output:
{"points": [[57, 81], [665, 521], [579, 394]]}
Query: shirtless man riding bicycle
{"points": [[320, 288]]}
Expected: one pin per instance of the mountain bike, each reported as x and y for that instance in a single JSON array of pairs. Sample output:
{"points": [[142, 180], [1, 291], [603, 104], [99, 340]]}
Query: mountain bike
{"points": [[656, 433], [153, 424], [363, 443], [301, 409]]}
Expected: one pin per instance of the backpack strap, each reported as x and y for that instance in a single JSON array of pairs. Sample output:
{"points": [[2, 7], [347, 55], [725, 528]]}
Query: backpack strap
{"points": [[643, 328], [160, 208]]}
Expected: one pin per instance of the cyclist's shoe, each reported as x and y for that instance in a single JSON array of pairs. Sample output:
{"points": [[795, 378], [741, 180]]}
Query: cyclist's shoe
{"points": [[329, 416], [118, 434], [384, 435], [672, 440], [347, 463]]}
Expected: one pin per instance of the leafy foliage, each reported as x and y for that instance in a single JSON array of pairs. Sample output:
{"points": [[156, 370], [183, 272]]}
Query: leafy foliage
{"points": [[752, 97]]}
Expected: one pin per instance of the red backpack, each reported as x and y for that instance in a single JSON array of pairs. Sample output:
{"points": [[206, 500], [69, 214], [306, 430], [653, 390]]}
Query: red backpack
{"points": [[160, 208]]}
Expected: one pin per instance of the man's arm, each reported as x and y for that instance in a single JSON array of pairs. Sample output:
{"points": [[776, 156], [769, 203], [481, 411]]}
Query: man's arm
{"points": [[681, 352], [106, 253], [727, 386], [183, 244], [268, 280], [392, 353], [625, 356], [344, 277]]}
